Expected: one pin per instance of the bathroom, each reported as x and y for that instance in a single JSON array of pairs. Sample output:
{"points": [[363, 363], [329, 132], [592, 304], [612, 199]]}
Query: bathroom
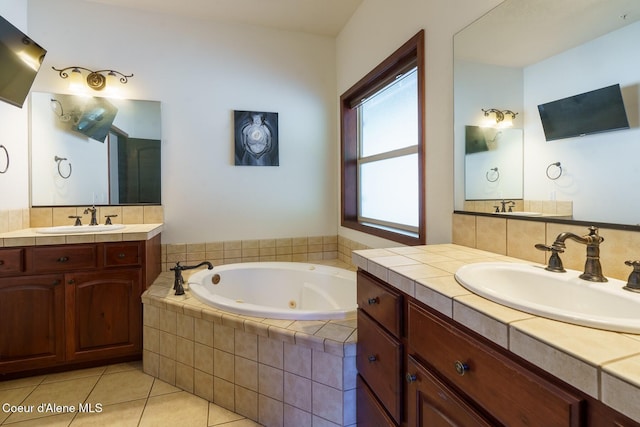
{"points": [[201, 72]]}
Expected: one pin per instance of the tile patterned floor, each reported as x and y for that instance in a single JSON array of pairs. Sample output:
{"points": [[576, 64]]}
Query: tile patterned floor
{"points": [[120, 395]]}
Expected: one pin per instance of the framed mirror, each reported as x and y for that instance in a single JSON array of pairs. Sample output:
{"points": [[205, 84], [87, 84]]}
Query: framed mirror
{"points": [[526, 53], [92, 150]]}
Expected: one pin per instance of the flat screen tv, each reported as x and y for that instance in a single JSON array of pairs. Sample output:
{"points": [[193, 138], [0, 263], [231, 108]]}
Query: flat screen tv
{"points": [[20, 60], [599, 110]]}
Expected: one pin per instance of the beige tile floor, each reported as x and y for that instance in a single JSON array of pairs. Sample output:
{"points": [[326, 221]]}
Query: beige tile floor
{"points": [[121, 395]]}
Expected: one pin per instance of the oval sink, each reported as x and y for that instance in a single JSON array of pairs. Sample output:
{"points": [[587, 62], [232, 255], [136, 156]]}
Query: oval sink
{"points": [[68, 229], [558, 296]]}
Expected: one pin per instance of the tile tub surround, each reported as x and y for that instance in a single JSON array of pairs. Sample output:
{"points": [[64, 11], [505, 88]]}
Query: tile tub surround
{"points": [[296, 249], [276, 372], [603, 364]]}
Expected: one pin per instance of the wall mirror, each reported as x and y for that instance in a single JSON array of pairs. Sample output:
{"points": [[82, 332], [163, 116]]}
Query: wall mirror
{"points": [[90, 150], [524, 53]]}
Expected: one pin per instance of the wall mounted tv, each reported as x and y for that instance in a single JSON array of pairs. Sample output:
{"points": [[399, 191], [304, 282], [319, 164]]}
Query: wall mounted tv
{"points": [[20, 60], [599, 110]]}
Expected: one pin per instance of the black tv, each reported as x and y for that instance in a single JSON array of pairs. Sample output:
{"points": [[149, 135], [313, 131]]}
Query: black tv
{"points": [[600, 110], [20, 60]]}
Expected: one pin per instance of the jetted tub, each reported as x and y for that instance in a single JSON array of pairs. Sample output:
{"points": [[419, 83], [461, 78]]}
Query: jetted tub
{"points": [[278, 290]]}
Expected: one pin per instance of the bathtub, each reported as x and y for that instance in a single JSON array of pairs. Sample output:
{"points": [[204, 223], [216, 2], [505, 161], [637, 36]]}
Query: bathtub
{"points": [[278, 290]]}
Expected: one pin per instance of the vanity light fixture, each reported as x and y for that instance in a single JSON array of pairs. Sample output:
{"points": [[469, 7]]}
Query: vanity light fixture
{"points": [[503, 118], [96, 80]]}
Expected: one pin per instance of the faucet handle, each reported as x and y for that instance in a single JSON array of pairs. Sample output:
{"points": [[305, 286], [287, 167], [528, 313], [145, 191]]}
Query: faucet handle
{"points": [[555, 263], [78, 222], [633, 282]]}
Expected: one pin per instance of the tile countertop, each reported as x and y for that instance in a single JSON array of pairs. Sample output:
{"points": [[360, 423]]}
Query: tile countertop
{"points": [[30, 237], [603, 364]]}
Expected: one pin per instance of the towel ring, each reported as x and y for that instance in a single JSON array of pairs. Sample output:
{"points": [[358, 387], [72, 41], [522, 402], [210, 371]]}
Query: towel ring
{"points": [[59, 160], [558, 172], [6, 153], [495, 175]]}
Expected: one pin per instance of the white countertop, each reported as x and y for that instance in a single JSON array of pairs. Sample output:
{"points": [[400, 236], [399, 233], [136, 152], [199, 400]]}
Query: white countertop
{"points": [[603, 364], [30, 236]]}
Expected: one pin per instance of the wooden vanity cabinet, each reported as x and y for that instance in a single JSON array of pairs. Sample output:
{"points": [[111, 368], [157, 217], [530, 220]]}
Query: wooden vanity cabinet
{"points": [[64, 306], [451, 376], [379, 353]]}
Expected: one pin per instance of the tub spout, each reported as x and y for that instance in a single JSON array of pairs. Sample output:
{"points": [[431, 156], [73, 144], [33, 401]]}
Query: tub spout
{"points": [[178, 282]]}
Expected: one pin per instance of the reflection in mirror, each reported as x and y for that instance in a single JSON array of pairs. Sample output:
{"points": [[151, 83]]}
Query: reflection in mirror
{"points": [[493, 163], [542, 51], [91, 150]]}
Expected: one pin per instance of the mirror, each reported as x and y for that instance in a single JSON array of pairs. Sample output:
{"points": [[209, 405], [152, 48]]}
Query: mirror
{"points": [[492, 163], [524, 53], [90, 150]]}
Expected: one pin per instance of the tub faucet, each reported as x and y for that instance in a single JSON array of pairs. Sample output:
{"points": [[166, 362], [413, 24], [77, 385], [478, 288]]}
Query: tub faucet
{"points": [[178, 282], [592, 267], [93, 211]]}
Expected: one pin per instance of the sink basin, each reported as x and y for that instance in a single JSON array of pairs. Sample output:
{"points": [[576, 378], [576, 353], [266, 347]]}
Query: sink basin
{"points": [[558, 296], [67, 229]]}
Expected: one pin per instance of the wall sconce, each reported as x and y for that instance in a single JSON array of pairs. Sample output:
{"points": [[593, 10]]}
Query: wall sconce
{"points": [[96, 80], [504, 118]]}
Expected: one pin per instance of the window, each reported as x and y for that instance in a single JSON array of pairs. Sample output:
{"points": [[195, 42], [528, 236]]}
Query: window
{"points": [[382, 135]]}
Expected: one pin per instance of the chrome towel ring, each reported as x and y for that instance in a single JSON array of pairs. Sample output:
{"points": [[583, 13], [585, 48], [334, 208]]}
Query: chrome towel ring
{"points": [[59, 160], [558, 173], [6, 153], [493, 177]]}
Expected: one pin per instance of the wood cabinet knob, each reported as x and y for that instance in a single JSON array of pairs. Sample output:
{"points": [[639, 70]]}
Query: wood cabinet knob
{"points": [[63, 259], [460, 367], [411, 378], [71, 281], [372, 301], [121, 255], [372, 358]]}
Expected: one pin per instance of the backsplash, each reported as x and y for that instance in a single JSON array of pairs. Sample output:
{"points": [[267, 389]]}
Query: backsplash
{"points": [[516, 237], [16, 219], [545, 207], [49, 216]]}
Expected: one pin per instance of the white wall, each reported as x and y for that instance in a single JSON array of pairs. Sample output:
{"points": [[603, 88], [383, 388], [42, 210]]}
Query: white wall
{"points": [[598, 192], [201, 72], [375, 31], [14, 184]]}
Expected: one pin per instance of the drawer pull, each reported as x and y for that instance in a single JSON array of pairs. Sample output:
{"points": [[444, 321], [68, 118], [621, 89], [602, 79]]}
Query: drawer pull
{"points": [[71, 281], [63, 259], [121, 255], [372, 358], [411, 378], [461, 367], [55, 283], [1, 262], [372, 301]]}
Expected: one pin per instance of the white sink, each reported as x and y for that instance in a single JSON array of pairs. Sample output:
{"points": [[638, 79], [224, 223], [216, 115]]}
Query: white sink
{"points": [[68, 229], [558, 296]]}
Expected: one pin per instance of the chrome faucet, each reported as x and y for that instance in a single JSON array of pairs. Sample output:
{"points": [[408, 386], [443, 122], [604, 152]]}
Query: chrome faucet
{"points": [[93, 211], [178, 282], [592, 267]]}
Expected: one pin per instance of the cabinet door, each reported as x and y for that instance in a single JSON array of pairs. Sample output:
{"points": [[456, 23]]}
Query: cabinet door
{"points": [[430, 403], [104, 314], [32, 322]]}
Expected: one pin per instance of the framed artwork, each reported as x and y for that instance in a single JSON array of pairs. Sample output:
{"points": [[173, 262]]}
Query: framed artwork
{"points": [[256, 138]]}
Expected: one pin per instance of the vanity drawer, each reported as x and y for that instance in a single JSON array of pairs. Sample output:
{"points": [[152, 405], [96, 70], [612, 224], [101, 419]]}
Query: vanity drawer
{"points": [[513, 394], [11, 261], [370, 412], [379, 362], [381, 302], [122, 254], [64, 258]]}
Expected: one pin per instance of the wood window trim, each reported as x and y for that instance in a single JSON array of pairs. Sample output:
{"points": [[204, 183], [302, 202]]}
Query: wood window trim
{"points": [[413, 49]]}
